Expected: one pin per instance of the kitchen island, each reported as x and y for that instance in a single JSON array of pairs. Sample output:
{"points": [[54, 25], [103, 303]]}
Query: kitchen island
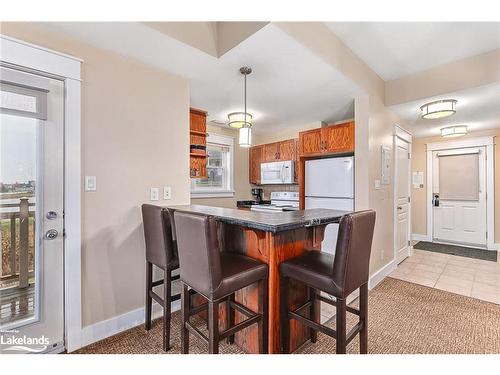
{"points": [[271, 237]]}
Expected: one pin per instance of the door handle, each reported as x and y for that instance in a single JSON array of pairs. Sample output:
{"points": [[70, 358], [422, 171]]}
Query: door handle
{"points": [[400, 208], [51, 234]]}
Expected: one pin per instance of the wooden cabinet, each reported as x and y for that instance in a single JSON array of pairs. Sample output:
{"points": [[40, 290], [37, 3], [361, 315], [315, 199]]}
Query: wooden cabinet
{"points": [[255, 159], [338, 138], [327, 140], [270, 152], [198, 143], [310, 142], [287, 150]]}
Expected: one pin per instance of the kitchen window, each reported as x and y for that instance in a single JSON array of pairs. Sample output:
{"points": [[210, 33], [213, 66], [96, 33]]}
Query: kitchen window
{"points": [[219, 169]]}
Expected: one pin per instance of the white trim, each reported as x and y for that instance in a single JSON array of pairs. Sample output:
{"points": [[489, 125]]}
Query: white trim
{"points": [[38, 58], [487, 142], [402, 133], [106, 328], [405, 136], [381, 274], [212, 194], [220, 139], [419, 237], [29, 57]]}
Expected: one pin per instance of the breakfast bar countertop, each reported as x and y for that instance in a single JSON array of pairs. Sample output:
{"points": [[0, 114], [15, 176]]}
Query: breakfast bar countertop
{"points": [[267, 221]]}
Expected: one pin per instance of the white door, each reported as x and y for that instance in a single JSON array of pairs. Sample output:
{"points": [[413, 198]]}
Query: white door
{"points": [[402, 199], [459, 184], [31, 212]]}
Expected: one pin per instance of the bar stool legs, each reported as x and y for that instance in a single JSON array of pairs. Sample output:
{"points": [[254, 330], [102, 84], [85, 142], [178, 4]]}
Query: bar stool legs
{"points": [[264, 322], [185, 304], [149, 300], [213, 327], [363, 317], [167, 294], [340, 316], [312, 313], [284, 319], [230, 317]]}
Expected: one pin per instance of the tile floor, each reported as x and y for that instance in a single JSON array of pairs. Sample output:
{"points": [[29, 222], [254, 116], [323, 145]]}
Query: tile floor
{"points": [[469, 277]]}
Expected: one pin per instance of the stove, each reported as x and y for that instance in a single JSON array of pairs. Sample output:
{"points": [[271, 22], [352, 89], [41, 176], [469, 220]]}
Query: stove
{"points": [[280, 201]]}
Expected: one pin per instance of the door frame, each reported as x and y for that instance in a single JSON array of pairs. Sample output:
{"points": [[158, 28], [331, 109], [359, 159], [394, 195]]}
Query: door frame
{"points": [[406, 136], [35, 59], [488, 143]]}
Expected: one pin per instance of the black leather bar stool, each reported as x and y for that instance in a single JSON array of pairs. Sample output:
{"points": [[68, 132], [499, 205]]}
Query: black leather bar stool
{"points": [[338, 276], [217, 276], [161, 251]]}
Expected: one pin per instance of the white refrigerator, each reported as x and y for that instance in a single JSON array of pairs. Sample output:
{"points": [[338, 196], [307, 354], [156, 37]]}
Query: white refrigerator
{"points": [[329, 183]]}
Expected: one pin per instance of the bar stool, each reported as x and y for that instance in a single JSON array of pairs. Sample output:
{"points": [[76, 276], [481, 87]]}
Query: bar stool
{"points": [[338, 276], [161, 251], [217, 276]]}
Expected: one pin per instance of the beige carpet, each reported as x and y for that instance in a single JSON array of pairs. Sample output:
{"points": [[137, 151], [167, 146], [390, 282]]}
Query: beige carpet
{"points": [[404, 318]]}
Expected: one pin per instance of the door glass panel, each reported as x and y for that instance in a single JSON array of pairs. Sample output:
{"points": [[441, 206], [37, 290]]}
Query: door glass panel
{"points": [[18, 188], [459, 177]]}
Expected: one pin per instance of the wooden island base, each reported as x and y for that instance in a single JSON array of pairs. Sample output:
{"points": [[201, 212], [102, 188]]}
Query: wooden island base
{"points": [[272, 249]]}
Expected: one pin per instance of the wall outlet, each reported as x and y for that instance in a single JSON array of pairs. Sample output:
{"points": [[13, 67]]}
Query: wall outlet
{"points": [[155, 194], [167, 192], [90, 183]]}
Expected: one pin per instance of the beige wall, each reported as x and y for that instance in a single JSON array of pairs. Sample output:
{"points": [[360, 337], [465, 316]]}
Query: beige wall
{"points": [[135, 123], [374, 128], [241, 185], [419, 196]]}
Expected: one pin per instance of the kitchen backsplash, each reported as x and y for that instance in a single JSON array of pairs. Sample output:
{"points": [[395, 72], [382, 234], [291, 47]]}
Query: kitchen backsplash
{"points": [[268, 189]]}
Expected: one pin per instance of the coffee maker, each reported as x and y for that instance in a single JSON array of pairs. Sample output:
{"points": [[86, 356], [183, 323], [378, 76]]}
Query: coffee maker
{"points": [[257, 194]]}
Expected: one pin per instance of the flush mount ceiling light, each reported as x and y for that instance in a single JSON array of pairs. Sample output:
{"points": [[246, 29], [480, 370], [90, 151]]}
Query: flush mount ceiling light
{"points": [[439, 109], [454, 131]]}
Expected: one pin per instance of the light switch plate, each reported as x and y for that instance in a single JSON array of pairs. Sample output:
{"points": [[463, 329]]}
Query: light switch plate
{"points": [[377, 184], [167, 192], [90, 183], [155, 194]]}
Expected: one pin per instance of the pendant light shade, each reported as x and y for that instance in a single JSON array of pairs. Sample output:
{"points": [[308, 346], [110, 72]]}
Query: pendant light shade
{"points": [[245, 138], [439, 109], [243, 120], [239, 119], [454, 131]]}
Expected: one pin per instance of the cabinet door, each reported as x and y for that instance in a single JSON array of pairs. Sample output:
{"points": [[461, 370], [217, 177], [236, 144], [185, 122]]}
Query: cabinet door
{"points": [[310, 142], [339, 138], [197, 122], [271, 151], [287, 150], [255, 159]]}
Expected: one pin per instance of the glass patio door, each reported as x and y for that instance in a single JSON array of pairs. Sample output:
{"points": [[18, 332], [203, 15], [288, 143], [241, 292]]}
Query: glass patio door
{"points": [[31, 212]]}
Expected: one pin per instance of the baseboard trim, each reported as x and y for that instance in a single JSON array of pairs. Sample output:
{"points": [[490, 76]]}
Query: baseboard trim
{"points": [[381, 274], [120, 323], [419, 237]]}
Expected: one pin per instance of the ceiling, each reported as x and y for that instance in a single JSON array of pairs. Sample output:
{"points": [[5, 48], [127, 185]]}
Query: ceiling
{"points": [[397, 49], [478, 108], [289, 84]]}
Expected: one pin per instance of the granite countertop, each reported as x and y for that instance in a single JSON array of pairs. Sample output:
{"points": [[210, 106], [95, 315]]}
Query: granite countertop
{"points": [[268, 221]]}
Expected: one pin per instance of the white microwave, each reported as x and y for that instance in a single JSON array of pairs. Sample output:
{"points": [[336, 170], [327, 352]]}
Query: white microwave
{"points": [[276, 173]]}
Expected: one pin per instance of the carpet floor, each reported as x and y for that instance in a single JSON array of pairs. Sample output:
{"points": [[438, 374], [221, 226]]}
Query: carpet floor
{"points": [[404, 318]]}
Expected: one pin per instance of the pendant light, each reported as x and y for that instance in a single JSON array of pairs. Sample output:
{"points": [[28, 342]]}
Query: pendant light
{"points": [[243, 120], [439, 109]]}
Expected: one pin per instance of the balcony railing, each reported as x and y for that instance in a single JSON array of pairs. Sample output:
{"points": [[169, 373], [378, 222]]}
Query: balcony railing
{"points": [[18, 246]]}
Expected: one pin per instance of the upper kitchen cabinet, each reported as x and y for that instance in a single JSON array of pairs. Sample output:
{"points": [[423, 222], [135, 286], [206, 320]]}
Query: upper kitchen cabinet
{"points": [[338, 138], [287, 150], [310, 142], [327, 140], [255, 160], [271, 152]]}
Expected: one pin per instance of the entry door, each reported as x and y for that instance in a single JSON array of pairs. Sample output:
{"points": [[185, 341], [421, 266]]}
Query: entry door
{"points": [[31, 212], [459, 185], [402, 194]]}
